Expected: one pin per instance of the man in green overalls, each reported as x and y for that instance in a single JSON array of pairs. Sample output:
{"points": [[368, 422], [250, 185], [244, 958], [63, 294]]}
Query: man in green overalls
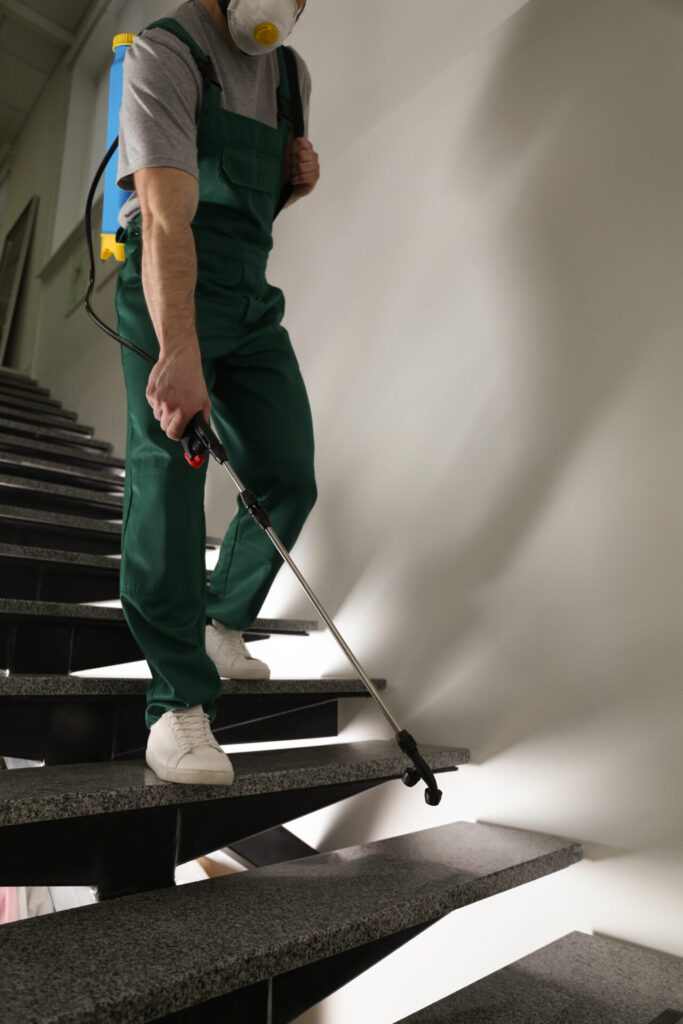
{"points": [[207, 148]]}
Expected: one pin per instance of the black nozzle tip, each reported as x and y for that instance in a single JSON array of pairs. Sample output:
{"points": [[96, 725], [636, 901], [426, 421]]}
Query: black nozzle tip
{"points": [[433, 797]]}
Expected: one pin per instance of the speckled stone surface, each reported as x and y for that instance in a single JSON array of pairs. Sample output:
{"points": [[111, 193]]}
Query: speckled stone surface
{"points": [[80, 495], [134, 959], [36, 404], [32, 394], [17, 609], [99, 686], [44, 418], [74, 613], [56, 792], [88, 523], [69, 453], [7, 372], [580, 979], [53, 433], [113, 477], [24, 552]]}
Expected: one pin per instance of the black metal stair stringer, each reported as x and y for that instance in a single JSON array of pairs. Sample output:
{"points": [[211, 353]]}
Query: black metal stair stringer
{"points": [[68, 730], [134, 851]]}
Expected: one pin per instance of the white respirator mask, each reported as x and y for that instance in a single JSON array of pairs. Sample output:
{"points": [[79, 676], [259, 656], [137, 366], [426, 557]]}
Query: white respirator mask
{"points": [[260, 26]]}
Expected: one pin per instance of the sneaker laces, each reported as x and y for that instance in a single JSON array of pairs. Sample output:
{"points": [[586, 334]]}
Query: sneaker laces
{"points": [[194, 730]]}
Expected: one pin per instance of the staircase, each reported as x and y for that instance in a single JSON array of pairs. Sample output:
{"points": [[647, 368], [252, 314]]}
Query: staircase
{"points": [[260, 946]]}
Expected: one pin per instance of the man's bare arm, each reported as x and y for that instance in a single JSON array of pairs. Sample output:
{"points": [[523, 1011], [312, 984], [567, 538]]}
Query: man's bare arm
{"points": [[168, 201]]}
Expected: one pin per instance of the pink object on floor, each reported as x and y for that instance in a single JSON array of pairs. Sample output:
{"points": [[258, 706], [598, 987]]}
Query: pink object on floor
{"points": [[9, 904]]}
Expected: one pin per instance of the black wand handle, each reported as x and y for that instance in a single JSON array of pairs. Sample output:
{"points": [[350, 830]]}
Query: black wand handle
{"points": [[199, 440]]}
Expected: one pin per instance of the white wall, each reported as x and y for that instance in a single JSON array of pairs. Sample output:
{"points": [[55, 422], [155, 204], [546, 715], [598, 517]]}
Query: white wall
{"points": [[483, 295]]}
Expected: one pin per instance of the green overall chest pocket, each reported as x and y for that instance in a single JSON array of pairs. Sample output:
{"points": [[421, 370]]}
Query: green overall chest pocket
{"points": [[254, 179]]}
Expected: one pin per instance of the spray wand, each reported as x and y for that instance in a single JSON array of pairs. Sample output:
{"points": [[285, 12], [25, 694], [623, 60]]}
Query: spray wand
{"points": [[198, 442]]}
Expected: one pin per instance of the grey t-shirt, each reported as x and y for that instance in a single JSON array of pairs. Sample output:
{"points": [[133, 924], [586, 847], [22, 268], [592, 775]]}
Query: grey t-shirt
{"points": [[163, 92]]}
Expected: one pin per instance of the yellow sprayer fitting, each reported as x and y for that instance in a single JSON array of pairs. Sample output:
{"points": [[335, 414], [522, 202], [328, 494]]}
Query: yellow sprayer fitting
{"points": [[110, 247], [123, 39]]}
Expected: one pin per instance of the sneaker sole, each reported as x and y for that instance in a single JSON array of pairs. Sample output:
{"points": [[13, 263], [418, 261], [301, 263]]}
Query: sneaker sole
{"points": [[191, 776], [243, 675]]}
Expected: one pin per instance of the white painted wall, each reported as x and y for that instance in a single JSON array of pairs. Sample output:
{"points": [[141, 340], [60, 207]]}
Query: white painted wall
{"points": [[483, 296]]}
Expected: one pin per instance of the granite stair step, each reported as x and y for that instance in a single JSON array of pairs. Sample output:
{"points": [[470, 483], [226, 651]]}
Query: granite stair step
{"points": [[43, 419], [59, 453], [585, 979], [32, 468], [57, 638], [67, 719], [16, 379], [32, 395], [296, 931], [26, 493], [45, 574], [42, 528], [38, 405], [117, 826], [77, 441]]}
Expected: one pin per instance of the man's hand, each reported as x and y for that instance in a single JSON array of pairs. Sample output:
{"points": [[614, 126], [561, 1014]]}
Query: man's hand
{"points": [[176, 390], [304, 168]]}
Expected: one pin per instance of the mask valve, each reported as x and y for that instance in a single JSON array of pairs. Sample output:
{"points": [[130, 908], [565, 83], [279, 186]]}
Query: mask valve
{"points": [[266, 34]]}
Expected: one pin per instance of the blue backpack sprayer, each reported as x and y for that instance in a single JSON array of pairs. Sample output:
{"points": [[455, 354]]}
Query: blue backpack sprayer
{"points": [[199, 439]]}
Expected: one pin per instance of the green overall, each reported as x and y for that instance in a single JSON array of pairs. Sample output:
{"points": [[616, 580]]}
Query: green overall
{"points": [[260, 411]]}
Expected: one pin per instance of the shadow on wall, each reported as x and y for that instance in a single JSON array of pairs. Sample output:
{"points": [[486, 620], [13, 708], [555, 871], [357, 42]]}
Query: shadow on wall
{"points": [[598, 226], [571, 130]]}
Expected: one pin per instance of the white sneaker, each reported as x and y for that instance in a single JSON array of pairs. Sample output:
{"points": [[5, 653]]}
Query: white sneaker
{"points": [[228, 652], [182, 748]]}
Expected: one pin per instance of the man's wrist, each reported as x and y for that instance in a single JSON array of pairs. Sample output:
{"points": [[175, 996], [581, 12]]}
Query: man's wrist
{"points": [[187, 345]]}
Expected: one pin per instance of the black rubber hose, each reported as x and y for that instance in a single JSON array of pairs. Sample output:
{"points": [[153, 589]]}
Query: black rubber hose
{"points": [[88, 234]]}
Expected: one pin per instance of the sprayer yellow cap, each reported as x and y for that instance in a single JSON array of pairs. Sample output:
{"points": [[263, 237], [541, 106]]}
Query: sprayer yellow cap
{"points": [[123, 39], [110, 247], [266, 34]]}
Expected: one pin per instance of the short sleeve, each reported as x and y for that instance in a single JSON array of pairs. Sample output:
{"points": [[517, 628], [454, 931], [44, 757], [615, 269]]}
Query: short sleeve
{"points": [[162, 93]]}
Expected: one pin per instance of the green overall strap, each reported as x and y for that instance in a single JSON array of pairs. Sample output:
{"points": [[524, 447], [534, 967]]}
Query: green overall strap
{"points": [[289, 102], [289, 106]]}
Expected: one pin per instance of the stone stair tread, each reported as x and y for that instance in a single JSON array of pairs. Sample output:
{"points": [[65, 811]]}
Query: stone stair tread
{"points": [[57, 792], [37, 417], [585, 979], [105, 686], [36, 395], [23, 400], [47, 487], [11, 374], [10, 459], [148, 955], [61, 519], [24, 552], [65, 454], [75, 612], [34, 430]]}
